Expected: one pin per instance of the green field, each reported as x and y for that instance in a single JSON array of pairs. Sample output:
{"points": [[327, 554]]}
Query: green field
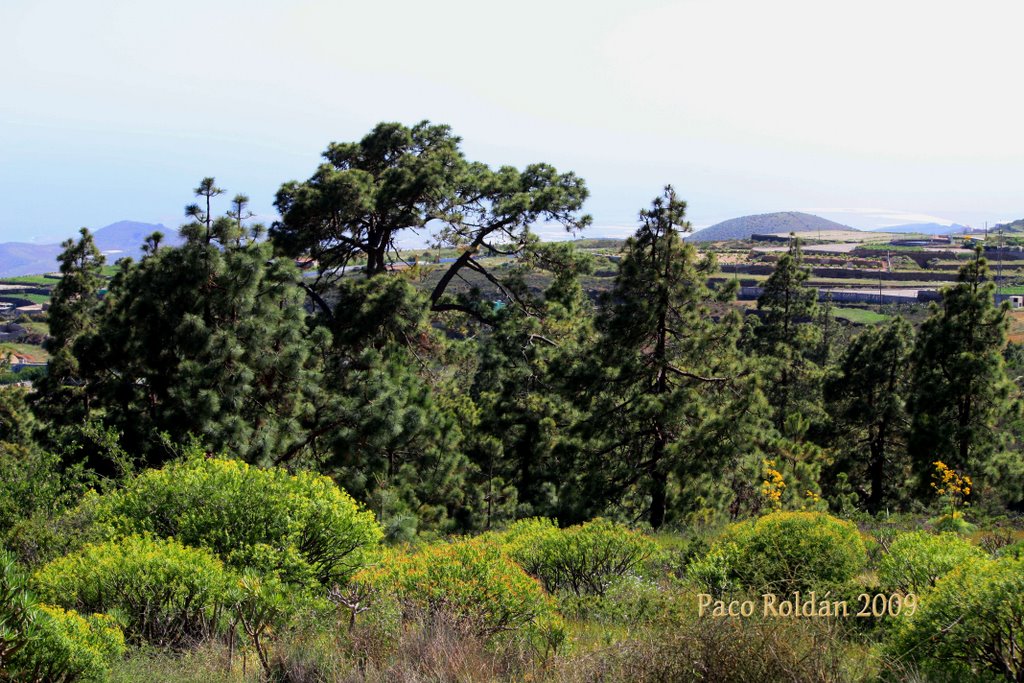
{"points": [[860, 316], [41, 280], [37, 327]]}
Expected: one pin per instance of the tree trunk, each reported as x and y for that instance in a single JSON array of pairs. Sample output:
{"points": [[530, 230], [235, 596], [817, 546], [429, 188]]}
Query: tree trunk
{"points": [[877, 467], [659, 497]]}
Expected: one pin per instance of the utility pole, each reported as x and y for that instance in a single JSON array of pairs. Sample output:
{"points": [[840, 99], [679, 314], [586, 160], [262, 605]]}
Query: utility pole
{"points": [[879, 291], [999, 268]]}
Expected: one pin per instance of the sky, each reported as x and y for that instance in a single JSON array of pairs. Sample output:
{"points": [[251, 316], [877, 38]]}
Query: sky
{"points": [[872, 113]]}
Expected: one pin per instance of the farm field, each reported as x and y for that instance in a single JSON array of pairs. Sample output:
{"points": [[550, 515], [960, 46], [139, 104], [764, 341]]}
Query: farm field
{"points": [[42, 280], [861, 316], [852, 236]]}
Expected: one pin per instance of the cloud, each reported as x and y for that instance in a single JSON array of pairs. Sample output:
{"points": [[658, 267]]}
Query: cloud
{"points": [[860, 217]]}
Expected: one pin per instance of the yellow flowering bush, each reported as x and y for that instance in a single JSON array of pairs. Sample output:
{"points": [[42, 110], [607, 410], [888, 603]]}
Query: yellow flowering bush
{"points": [[69, 647], [787, 551], [168, 594], [917, 559], [773, 485], [45, 643], [586, 559], [968, 626], [473, 582], [301, 527], [950, 484]]}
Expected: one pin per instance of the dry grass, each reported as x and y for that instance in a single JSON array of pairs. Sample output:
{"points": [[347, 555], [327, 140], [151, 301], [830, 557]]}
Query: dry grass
{"points": [[678, 649], [718, 650]]}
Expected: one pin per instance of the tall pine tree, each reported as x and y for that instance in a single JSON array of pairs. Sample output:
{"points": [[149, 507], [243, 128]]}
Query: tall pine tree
{"points": [[867, 400], [525, 404], [960, 392], [73, 316], [208, 340], [671, 400], [787, 343]]}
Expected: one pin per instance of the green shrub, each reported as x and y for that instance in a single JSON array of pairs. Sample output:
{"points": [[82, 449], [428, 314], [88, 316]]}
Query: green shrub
{"points": [[969, 623], [167, 594], [262, 606], [790, 551], [586, 559], [68, 647], [1014, 550], [713, 573], [954, 524], [40, 643], [302, 528], [916, 560], [473, 582], [16, 610]]}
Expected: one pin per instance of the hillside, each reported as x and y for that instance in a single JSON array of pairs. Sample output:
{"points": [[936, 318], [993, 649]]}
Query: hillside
{"points": [[22, 258], [785, 221], [116, 240], [1014, 226]]}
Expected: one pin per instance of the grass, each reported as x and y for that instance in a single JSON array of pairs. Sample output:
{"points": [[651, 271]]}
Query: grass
{"points": [[38, 353], [35, 298], [36, 327], [30, 280], [1017, 326], [860, 316]]}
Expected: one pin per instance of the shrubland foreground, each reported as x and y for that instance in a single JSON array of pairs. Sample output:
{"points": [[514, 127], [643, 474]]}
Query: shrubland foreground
{"points": [[316, 457]]}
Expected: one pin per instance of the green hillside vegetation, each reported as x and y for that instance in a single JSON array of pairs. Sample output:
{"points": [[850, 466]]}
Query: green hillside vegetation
{"points": [[555, 467], [1012, 226]]}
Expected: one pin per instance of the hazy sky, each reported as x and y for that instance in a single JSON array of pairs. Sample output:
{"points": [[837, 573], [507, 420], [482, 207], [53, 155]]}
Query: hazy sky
{"points": [[872, 112]]}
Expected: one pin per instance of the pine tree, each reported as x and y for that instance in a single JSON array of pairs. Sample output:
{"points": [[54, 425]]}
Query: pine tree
{"points": [[671, 398], [867, 400], [960, 391], [73, 316], [358, 204], [787, 342], [525, 407], [207, 340], [389, 423]]}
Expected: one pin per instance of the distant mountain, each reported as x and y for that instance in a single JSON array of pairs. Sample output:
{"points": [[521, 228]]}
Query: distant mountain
{"points": [[125, 238], [925, 228], [786, 221], [20, 258], [1015, 226], [117, 240]]}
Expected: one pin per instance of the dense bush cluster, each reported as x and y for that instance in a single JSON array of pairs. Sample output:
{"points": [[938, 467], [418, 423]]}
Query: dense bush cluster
{"points": [[785, 552], [300, 527], [969, 625], [168, 594], [472, 581], [40, 643], [916, 560], [584, 559]]}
